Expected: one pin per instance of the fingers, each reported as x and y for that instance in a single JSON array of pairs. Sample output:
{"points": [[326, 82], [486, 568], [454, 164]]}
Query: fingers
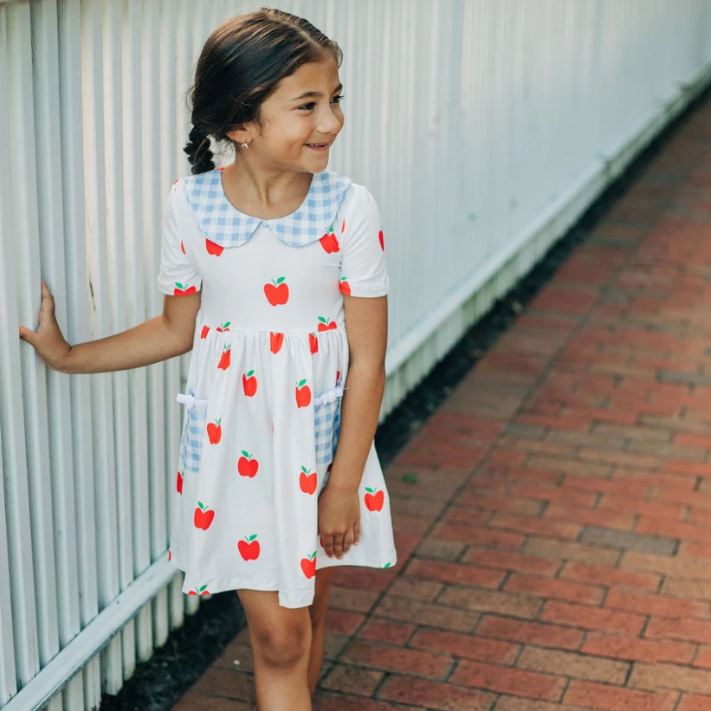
{"points": [[47, 304], [47, 294], [27, 335], [46, 319], [333, 546], [338, 544]]}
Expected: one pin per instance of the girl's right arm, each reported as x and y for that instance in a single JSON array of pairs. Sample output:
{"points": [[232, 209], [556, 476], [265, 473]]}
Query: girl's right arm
{"points": [[159, 338]]}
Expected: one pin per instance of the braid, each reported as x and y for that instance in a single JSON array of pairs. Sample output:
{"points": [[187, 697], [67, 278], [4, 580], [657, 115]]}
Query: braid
{"points": [[198, 150]]}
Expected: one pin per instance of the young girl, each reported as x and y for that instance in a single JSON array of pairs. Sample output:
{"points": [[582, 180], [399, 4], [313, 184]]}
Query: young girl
{"points": [[265, 264]]}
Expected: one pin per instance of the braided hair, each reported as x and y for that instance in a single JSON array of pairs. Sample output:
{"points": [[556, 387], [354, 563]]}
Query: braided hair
{"points": [[198, 150], [239, 66]]}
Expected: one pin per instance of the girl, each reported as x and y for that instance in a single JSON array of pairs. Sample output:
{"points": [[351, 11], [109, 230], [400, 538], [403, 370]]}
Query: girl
{"points": [[274, 275]]}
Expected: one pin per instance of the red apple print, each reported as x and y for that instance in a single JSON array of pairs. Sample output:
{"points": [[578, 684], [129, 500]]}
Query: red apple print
{"points": [[170, 554], [225, 327], [249, 548], [373, 501], [276, 339], [182, 247], [205, 330], [343, 226], [329, 241], [183, 289], [313, 342], [326, 324], [246, 466], [344, 287], [224, 363], [213, 247], [179, 483], [308, 565], [221, 169], [203, 516], [202, 590], [249, 383], [338, 376], [214, 431], [277, 292], [303, 393], [380, 239], [307, 480]]}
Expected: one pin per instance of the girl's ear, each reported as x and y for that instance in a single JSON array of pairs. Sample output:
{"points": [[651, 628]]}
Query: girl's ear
{"points": [[237, 134]]}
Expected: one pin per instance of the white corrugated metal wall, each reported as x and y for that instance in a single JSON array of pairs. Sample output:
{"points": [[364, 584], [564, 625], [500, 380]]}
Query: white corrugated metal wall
{"points": [[483, 128]]}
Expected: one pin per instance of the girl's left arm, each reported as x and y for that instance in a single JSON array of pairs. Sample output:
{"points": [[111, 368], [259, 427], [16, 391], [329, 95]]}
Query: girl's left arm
{"points": [[367, 327]]}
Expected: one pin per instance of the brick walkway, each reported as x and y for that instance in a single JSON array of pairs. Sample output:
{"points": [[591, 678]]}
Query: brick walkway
{"points": [[555, 549]]}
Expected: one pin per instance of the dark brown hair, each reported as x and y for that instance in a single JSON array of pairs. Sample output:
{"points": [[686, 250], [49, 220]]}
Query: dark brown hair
{"points": [[239, 66]]}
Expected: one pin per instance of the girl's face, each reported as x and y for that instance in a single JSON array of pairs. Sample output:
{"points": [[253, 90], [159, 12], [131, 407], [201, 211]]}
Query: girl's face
{"points": [[303, 109]]}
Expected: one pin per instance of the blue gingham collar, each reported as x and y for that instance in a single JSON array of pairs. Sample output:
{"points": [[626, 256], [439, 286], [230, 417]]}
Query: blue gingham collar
{"points": [[223, 223]]}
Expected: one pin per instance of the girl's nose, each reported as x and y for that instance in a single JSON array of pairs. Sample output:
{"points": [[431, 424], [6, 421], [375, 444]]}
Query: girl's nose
{"points": [[330, 123]]}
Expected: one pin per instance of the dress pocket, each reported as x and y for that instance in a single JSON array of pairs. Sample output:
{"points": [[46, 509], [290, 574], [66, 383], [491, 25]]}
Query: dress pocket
{"points": [[327, 423], [194, 431]]}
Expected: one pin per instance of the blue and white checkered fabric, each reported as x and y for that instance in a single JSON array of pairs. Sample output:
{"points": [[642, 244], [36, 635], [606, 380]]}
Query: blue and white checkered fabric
{"points": [[327, 424], [223, 223], [194, 432]]}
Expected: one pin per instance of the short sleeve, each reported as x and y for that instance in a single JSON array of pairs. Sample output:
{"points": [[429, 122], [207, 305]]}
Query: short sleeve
{"points": [[177, 275], [364, 270]]}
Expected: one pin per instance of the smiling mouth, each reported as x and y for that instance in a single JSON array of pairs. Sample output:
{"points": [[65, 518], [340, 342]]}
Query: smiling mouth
{"points": [[317, 145]]}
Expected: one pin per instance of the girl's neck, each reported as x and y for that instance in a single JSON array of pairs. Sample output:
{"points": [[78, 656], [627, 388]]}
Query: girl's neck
{"points": [[264, 195]]}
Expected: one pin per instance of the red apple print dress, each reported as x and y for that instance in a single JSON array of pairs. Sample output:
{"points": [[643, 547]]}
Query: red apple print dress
{"points": [[267, 375]]}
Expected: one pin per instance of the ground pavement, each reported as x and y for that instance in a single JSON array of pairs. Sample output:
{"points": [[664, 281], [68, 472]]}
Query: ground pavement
{"points": [[555, 541]]}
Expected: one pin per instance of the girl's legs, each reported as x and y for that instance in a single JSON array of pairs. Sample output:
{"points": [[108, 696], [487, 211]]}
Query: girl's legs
{"points": [[287, 646], [280, 639], [317, 612]]}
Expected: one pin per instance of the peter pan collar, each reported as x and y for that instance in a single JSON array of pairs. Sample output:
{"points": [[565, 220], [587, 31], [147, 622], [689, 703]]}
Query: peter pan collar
{"points": [[223, 223]]}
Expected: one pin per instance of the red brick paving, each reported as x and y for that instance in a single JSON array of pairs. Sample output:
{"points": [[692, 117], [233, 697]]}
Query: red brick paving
{"points": [[555, 548]]}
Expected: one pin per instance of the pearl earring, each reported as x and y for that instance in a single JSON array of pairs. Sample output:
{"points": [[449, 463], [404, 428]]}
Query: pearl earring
{"points": [[244, 145]]}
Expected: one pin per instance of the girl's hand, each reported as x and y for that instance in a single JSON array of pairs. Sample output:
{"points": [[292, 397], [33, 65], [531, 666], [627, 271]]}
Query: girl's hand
{"points": [[338, 519], [47, 340]]}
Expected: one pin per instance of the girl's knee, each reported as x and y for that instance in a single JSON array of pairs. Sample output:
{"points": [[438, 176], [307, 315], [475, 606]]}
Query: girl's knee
{"points": [[280, 636], [285, 645]]}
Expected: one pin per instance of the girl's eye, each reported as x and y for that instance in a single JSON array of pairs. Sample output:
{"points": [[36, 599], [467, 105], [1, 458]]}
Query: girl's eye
{"points": [[337, 99]]}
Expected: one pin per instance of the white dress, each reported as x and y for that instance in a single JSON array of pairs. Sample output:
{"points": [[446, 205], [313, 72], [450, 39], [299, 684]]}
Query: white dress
{"points": [[266, 378]]}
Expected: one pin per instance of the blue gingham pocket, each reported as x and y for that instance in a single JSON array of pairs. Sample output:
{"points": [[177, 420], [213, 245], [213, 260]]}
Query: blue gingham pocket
{"points": [[194, 431], [327, 423]]}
